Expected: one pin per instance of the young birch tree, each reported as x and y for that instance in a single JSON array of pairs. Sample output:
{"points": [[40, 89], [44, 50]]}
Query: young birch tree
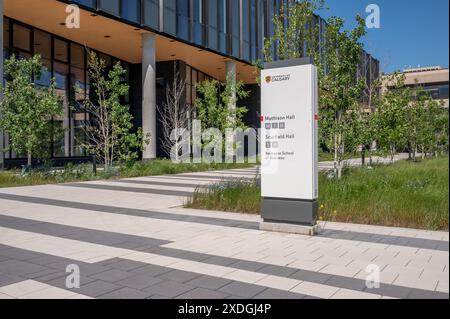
{"points": [[340, 89], [391, 116], [174, 117], [27, 109], [109, 128]]}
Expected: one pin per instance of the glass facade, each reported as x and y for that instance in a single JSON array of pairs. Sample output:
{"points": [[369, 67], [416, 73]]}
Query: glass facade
{"points": [[66, 62], [236, 28]]}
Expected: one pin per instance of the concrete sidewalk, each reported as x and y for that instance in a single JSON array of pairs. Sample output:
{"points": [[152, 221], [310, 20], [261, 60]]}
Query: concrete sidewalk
{"points": [[131, 238]]}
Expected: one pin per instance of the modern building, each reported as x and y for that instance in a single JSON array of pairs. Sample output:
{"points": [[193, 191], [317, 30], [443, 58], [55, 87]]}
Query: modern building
{"points": [[201, 39], [433, 79]]}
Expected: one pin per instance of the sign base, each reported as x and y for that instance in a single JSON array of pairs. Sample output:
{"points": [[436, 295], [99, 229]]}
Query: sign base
{"points": [[290, 228], [292, 211]]}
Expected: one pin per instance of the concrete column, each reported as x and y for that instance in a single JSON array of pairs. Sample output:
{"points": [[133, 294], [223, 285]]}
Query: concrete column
{"points": [[149, 94], [2, 155], [231, 71]]}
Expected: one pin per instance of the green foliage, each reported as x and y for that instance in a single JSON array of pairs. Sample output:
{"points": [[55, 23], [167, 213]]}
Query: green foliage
{"points": [[405, 194], [391, 116], [28, 109], [229, 195], [213, 104], [410, 119], [336, 56], [109, 130], [290, 34]]}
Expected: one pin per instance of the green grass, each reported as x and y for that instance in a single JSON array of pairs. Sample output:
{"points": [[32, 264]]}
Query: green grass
{"points": [[229, 196], [405, 194], [75, 173]]}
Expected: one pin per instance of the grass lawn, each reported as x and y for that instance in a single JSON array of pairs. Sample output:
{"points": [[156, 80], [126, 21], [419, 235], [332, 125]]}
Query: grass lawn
{"points": [[404, 194], [74, 173]]}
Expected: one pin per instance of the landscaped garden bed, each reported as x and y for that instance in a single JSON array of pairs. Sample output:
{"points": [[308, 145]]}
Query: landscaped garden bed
{"points": [[405, 194]]}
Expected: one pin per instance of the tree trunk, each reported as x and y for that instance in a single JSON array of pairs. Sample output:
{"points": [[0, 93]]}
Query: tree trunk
{"points": [[336, 152], [363, 156], [29, 158]]}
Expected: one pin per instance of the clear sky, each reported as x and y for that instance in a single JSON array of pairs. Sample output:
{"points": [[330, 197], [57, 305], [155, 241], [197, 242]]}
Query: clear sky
{"points": [[413, 32]]}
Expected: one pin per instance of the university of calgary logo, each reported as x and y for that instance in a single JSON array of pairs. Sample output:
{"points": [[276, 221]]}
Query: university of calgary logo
{"points": [[268, 79]]}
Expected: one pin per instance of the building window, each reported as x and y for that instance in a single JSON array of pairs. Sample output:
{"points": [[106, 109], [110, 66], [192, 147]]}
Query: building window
{"points": [[170, 22], [235, 28], [68, 66], [22, 38], [246, 30], [110, 6], [183, 19], [87, 3], [61, 51], [197, 20], [212, 24], [130, 10], [151, 13], [222, 22], [43, 47]]}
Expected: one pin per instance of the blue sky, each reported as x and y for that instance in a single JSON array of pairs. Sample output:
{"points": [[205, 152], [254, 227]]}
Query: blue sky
{"points": [[412, 33]]}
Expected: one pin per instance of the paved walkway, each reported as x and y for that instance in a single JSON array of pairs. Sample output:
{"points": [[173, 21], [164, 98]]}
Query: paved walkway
{"points": [[132, 239]]}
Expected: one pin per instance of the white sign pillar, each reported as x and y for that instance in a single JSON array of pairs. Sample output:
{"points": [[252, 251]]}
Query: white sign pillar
{"points": [[289, 146], [149, 94]]}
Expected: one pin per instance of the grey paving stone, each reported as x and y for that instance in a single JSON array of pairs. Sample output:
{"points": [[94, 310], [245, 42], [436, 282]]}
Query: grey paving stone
{"points": [[209, 282], [311, 276], [151, 270], [97, 288], [201, 293], [165, 251], [247, 265], [3, 258], [112, 275], [81, 234], [170, 289], [44, 260], [425, 294], [157, 297], [391, 291], [179, 276], [386, 239], [242, 289], [85, 268], [18, 268], [122, 211], [347, 283], [193, 256], [126, 293], [126, 265], [139, 282], [52, 276], [131, 189], [61, 282], [277, 270], [270, 293], [42, 273], [17, 254], [6, 280], [220, 261]]}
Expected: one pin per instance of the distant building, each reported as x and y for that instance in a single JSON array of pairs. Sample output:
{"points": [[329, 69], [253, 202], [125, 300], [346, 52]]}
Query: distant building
{"points": [[433, 79]]}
